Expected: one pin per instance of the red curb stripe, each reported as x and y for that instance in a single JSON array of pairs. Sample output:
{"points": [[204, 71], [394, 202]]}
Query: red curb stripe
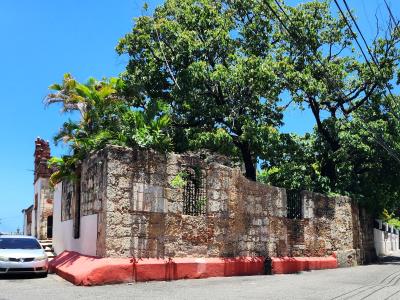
{"points": [[86, 270], [287, 265]]}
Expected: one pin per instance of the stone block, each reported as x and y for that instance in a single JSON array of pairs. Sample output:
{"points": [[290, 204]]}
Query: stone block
{"points": [[257, 222], [346, 258], [214, 206], [175, 207], [148, 198], [173, 195]]}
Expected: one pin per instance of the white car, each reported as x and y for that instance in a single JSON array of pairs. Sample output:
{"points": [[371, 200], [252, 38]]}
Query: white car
{"points": [[22, 254]]}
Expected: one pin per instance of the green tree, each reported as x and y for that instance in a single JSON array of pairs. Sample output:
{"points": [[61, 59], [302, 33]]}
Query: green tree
{"points": [[213, 62], [325, 73], [106, 117], [367, 162], [292, 164]]}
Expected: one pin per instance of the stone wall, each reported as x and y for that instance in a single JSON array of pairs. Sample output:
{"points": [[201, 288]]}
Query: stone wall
{"points": [[45, 208], [87, 197], [68, 195], [144, 214], [42, 156], [43, 196]]}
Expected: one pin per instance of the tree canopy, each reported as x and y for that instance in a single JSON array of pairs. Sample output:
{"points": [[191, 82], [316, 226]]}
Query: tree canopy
{"points": [[354, 148], [220, 74], [324, 71], [201, 58]]}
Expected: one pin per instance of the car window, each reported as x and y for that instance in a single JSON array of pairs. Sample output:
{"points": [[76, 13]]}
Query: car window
{"points": [[13, 243]]}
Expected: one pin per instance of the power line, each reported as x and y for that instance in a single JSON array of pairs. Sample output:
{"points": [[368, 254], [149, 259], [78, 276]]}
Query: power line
{"points": [[391, 14], [359, 30], [381, 143], [354, 35], [290, 32], [375, 60], [296, 38], [294, 35]]}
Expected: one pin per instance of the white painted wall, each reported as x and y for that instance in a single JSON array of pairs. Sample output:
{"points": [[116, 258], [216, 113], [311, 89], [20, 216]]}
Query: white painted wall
{"points": [[33, 224], [385, 242], [63, 238], [36, 224]]}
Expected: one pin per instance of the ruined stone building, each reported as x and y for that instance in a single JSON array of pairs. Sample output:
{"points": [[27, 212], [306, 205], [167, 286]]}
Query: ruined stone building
{"points": [[38, 218], [144, 204]]}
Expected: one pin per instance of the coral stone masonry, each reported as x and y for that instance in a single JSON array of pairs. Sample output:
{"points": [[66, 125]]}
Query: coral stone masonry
{"points": [[38, 218], [42, 156], [144, 204]]}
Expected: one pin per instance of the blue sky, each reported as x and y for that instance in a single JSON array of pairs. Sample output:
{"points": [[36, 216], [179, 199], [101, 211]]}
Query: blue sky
{"points": [[42, 40]]}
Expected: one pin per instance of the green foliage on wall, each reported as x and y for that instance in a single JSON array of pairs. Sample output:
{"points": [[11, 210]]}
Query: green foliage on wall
{"points": [[180, 180]]}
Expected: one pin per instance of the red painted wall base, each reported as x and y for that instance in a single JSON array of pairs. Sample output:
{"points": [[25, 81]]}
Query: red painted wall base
{"points": [[286, 265], [86, 270]]}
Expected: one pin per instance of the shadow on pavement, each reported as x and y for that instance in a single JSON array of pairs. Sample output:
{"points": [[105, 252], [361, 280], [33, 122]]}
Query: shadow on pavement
{"points": [[393, 259], [20, 276]]}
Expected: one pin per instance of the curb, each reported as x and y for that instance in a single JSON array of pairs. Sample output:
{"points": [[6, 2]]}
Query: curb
{"points": [[88, 270], [287, 265]]}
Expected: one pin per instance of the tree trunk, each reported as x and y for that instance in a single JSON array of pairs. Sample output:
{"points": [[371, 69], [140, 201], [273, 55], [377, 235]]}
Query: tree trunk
{"points": [[328, 165], [328, 169], [251, 172]]}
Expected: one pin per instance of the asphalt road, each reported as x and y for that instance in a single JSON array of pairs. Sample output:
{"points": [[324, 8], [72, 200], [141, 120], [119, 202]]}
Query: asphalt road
{"points": [[364, 282]]}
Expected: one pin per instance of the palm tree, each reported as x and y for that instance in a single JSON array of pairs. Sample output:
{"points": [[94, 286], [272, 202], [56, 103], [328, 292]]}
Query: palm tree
{"points": [[106, 117]]}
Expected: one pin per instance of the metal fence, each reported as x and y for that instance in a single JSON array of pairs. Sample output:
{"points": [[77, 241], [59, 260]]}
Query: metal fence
{"points": [[294, 204], [194, 194]]}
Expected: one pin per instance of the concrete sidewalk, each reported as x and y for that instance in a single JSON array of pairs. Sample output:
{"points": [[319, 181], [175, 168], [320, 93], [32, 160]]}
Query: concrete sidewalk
{"points": [[365, 282]]}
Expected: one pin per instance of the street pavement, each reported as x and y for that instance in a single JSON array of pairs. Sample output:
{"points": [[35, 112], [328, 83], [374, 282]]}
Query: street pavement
{"points": [[364, 282]]}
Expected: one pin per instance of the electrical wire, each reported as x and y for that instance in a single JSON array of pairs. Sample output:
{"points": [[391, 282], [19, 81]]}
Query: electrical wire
{"points": [[374, 59], [381, 143]]}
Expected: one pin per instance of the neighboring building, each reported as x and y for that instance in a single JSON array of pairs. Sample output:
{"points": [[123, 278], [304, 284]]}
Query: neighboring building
{"points": [[386, 238], [38, 218], [27, 229]]}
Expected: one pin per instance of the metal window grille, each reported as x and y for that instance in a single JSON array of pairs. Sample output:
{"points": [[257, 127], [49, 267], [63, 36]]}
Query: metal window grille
{"points": [[294, 205], [194, 193]]}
